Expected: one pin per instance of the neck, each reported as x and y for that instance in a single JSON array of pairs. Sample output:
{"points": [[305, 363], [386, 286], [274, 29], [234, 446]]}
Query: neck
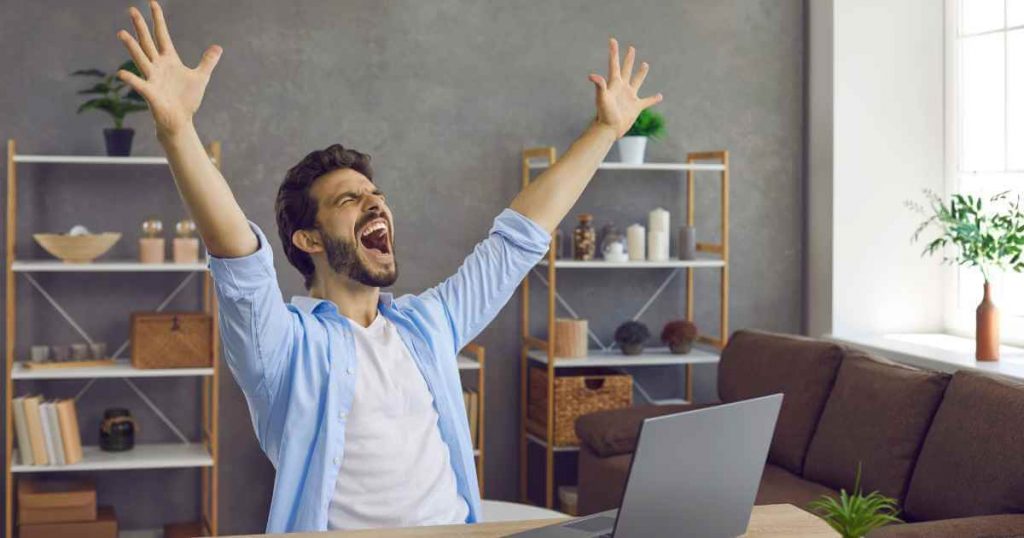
{"points": [[354, 300]]}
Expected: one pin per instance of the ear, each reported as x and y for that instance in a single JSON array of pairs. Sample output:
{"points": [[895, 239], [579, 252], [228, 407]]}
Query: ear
{"points": [[308, 241]]}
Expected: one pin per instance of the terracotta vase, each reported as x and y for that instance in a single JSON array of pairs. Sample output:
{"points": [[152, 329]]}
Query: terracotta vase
{"points": [[987, 329]]}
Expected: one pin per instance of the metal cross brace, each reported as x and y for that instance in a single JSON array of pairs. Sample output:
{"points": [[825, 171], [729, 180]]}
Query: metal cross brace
{"points": [[142, 395]]}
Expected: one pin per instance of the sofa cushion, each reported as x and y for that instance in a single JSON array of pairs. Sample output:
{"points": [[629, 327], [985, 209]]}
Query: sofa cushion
{"points": [[615, 431], [877, 416], [756, 363], [1001, 526], [601, 481], [972, 460], [779, 486]]}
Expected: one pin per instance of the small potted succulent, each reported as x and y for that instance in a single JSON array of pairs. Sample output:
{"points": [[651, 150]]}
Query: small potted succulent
{"points": [[649, 124], [854, 515], [631, 337], [117, 99], [679, 336]]}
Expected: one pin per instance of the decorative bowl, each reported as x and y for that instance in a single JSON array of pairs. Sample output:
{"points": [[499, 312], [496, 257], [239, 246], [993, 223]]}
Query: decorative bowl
{"points": [[77, 248]]}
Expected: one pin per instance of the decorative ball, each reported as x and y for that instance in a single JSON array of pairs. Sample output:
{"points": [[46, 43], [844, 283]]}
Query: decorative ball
{"points": [[152, 227], [185, 228], [679, 335], [631, 337]]}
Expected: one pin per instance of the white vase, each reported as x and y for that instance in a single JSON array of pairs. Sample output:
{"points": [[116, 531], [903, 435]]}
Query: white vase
{"points": [[631, 149]]}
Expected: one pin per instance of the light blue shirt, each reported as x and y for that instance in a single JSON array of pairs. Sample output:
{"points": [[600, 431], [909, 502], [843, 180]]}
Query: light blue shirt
{"points": [[296, 362]]}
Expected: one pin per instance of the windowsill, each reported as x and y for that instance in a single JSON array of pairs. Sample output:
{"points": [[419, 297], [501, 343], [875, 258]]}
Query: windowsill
{"points": [[943, 352]]}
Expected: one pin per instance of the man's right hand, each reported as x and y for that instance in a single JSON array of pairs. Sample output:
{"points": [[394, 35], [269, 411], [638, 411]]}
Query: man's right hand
{"points": [[173, 90]]}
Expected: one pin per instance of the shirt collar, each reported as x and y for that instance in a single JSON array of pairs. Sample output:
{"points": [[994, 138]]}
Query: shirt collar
{"points": [[312, 304]]}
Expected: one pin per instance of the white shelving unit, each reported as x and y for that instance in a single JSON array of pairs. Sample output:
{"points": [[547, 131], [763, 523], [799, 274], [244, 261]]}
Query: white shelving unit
{"points": [[142, 456], [188, 453], [540, 353]]}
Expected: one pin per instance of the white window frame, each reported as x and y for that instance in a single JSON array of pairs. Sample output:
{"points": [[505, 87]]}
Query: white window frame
{"points": [[960, 319]]}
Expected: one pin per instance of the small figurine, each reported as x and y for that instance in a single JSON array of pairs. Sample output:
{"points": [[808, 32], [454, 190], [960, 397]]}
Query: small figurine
{"points": [[186, 247], [151, 245]]}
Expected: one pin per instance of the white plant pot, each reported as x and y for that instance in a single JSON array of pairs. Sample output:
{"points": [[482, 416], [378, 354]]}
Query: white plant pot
{"points": [[631, 149]]}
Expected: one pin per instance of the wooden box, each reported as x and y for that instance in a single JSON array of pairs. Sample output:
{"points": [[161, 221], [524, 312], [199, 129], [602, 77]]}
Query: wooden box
{"points": [[103, 526], [172, 340], [55, 501], [574, 396]]}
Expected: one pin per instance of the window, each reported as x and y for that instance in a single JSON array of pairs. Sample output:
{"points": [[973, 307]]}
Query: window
{"points": [[986, 141]]}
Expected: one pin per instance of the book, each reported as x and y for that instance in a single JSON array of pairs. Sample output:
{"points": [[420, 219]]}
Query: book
{"points": [[67, 416], [34, 424], [44, 420], [21, 431], [56, 439]]}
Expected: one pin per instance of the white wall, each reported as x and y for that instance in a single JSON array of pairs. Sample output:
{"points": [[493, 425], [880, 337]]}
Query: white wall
{"points": [[887, 145]]}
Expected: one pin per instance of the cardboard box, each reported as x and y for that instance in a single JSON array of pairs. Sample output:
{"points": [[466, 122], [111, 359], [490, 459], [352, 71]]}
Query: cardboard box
{"points": [[55, 501], [189, 529], [105, 526]]}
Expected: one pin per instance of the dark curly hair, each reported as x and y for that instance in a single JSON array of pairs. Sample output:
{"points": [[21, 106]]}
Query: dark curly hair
{"points": [[295, 207]]}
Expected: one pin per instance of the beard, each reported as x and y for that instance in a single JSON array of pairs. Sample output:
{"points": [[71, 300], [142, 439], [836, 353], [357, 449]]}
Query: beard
{"points": [[343, 257]]}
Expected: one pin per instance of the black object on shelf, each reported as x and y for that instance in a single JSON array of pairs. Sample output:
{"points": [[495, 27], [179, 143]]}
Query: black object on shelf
{"points": [[117, 433]]}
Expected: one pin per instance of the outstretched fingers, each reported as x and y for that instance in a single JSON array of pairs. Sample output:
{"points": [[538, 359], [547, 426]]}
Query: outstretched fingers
{"points": [[142, 33], [639, 76], [627, 63], [163, 38], [647, 102], [135, 82], [139, 57], [210, 59], [614, 71]]}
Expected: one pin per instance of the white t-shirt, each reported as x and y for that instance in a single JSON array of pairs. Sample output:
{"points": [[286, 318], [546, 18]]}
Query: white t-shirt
{"points": [[395, 471]]}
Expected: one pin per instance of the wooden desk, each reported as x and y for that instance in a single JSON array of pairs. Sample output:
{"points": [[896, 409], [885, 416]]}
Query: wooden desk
{"points": [[771, 521]]}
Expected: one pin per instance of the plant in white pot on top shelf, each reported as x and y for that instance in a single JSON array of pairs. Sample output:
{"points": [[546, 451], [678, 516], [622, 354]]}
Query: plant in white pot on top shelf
{"points": [[117, 99], [649, 124], [990, 239]]}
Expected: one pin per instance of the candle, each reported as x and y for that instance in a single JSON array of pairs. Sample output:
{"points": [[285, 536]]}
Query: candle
{"points": [[657, 246], [657, 220], [635, 243]]}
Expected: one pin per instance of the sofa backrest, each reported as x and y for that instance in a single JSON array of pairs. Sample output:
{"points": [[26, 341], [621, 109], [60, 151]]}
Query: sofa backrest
{"points": [[758, 363], [972, 460], [876, 417]]}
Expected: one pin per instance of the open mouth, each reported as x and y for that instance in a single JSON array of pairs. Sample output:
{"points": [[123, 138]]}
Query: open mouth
{"points": [[374, 237]]}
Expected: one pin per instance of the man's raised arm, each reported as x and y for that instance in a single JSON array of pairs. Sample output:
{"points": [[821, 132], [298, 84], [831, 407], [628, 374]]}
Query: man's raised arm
{"points": [[174, 92], [548, 198]]}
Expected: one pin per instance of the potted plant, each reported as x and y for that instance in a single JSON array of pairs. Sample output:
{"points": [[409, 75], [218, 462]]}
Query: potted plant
{"points": [[631, 337], [990, 240], [117, 99], [679, 336], [649, 124], [855, 515]]}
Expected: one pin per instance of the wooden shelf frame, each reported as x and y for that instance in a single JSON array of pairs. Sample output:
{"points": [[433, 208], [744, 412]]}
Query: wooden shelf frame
{"points": [[210, 391], [472, 359], [541, 352]]}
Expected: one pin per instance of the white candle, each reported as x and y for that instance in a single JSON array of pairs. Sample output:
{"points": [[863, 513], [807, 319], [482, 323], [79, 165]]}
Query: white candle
{"points": [[657, 246], [657, 220], [635, 243]]}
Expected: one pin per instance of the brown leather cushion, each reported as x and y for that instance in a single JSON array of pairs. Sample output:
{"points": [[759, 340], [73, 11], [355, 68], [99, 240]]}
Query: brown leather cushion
{"points": [[1001, 526], [613, 432], [877, 415], [757, 363], [601, 481], [972, 461], [779, 486]]}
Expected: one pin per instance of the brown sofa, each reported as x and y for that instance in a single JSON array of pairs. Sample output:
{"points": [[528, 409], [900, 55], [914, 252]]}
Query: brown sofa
{"points": [[950, 449]]}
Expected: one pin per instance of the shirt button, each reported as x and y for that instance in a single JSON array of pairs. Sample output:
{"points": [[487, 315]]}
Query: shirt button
{"points": [[341, 415], [336, 461], [348, 370]]}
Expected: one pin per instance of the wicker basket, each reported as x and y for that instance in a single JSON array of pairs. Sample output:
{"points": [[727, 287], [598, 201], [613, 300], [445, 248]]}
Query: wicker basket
{"points": [[574, 396], [172, 340]]}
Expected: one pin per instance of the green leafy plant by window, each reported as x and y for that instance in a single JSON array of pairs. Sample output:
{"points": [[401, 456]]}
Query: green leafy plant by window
{"points": [[649, 123], [114, 97], [853, 515], [988, 239]]}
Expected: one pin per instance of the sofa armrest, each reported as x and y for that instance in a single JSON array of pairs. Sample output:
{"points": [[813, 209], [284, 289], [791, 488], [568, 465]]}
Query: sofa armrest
{"points": [[610, 433], [1002, 525]]}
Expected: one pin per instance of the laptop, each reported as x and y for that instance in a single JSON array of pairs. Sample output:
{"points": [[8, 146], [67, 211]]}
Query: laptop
{"points": [[694, 474]]}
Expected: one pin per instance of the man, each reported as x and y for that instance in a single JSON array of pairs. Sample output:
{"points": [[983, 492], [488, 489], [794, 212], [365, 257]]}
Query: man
{"points": [[355, 395]]}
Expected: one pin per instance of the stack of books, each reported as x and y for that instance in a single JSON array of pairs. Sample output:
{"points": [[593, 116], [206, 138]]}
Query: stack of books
{"points": [[472, 401], [47, 431]]}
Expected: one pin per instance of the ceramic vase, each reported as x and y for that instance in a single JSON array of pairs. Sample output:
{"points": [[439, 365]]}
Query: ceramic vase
{"points": [[987, 328]]}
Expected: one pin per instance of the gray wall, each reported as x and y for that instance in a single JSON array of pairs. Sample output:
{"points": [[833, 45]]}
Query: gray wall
{"points": [[444, 95]]}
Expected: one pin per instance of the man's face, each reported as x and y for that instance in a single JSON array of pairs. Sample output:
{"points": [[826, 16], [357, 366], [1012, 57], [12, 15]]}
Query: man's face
{"points": [[356, 227]]}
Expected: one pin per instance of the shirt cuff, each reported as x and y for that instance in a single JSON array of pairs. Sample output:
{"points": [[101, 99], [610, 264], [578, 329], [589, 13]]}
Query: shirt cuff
{"points": [[237, 275], [522, 231]]}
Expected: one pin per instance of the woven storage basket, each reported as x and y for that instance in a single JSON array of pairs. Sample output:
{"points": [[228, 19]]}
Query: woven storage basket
{"points": [[172, 340], [574, 396]]}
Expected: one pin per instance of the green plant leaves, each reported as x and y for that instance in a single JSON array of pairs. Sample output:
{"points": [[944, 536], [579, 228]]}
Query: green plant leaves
{"points": [[649, 123], [90, 73], [855, 515], [118, 99]]}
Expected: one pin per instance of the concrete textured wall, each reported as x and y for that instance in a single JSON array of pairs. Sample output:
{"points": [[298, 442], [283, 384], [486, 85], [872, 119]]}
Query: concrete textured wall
{"points": [[444, 95]]}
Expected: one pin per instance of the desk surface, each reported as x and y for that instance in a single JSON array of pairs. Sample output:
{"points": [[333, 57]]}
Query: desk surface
{"points": [[770, 521]]}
